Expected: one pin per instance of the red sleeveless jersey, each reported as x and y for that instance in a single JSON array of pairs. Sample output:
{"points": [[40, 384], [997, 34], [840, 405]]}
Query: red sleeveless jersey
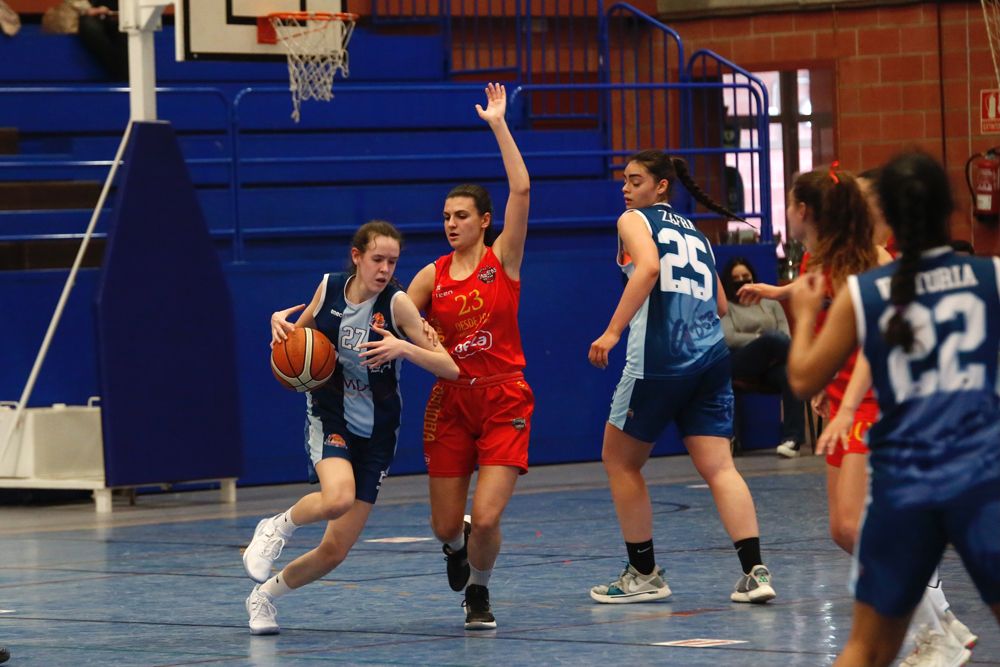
{"points": [[477, 317], [838, 385]]}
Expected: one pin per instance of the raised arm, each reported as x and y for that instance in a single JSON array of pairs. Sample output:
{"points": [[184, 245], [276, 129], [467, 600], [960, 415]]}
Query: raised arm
{"points": [[509, 246], [639, 245], [429, 355]]}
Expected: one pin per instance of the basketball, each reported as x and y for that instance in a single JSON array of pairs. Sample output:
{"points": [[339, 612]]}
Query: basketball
{"points": [[305, 361]]}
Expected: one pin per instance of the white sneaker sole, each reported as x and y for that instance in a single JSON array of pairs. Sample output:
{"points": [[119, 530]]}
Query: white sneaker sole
{"points": [[645, 596], [269, 630], [965, 638], [759, 595], [246, 565], [481, 625]]}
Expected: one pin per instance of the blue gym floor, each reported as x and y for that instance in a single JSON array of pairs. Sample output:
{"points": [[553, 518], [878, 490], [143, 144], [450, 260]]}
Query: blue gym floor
{"points": [[162, 583]]}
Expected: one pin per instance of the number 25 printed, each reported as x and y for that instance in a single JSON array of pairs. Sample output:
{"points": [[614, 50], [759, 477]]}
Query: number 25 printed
{"points": [[686, 255]]}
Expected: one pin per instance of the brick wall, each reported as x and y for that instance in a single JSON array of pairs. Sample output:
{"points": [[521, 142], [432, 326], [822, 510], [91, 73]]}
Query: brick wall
{"points": [[889, 74]]}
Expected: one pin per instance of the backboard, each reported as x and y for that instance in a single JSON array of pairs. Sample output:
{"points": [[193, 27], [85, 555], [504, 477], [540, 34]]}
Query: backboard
{"points": [[227, 29]]}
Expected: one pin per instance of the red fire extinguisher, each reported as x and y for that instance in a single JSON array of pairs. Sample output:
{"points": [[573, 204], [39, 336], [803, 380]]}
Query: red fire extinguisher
{"points": [[982, 173]]}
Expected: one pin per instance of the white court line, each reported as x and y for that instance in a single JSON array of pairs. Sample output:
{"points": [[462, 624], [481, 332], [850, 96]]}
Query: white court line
{"points": [[697, 486], [700, 642], [400, 540], [7, 611]]}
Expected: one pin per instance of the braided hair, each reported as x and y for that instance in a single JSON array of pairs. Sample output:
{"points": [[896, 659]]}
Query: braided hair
{"points": [[663, 166], [840, 212], [917, 200]]}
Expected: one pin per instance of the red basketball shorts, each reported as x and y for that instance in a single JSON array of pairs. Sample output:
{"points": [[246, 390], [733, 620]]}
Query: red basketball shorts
{"points": [[479, 421]]}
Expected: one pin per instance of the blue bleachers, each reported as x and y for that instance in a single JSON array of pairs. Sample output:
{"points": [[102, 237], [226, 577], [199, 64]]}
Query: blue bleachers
{"points": [[36, 58]]}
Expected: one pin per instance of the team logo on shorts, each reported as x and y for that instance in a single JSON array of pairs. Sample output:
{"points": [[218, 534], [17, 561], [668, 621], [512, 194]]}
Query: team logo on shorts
{"points": [[336, 440], [519, 423], [487, 274], [378, 320]]}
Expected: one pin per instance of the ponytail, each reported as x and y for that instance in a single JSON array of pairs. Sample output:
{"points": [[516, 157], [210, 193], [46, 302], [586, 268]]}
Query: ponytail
{"points": [[843, 224], [668, 168], [917, 200], [684, 176]]}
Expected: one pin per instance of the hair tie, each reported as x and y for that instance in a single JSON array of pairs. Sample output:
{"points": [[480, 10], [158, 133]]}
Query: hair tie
{"points": [[833, 175]]}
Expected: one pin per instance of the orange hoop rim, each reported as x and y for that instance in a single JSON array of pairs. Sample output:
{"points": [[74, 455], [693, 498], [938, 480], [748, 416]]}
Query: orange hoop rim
{"points": [[313, 16]]}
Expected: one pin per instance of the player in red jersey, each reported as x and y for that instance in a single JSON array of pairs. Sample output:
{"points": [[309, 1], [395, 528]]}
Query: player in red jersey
{"points": [[470, 297]]}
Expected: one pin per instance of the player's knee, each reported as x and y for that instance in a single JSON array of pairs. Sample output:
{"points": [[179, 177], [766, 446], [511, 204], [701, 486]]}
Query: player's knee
{"points": [[337, 504], [485, 522], [446, 529]]}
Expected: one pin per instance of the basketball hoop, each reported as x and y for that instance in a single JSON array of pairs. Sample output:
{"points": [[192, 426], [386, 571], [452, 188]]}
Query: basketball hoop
{"points": [[991, 13], [316, 45]]}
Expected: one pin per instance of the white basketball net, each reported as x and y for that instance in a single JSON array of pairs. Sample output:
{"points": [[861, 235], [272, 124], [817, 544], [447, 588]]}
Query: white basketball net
{"points": [[316, 45], [991, 12]]}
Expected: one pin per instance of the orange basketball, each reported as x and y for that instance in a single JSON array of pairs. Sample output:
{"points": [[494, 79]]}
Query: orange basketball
{"points": [[305, 361]]}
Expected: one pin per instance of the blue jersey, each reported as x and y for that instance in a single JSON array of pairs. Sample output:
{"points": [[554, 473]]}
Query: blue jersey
{"points": [[938, 433], [365, 400], [677, 330]]}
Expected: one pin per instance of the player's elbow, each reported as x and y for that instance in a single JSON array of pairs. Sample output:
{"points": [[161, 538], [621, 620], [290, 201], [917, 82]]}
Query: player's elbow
{"points": [[800, 383], [521, 187]]}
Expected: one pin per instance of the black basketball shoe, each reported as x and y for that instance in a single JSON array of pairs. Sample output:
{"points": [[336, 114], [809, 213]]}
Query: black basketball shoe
{"points": [[458, 561], [477, 608]]}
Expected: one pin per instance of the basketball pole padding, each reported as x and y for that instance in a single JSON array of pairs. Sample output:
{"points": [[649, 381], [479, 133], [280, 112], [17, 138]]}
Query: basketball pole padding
{"points": [[165, 328]]}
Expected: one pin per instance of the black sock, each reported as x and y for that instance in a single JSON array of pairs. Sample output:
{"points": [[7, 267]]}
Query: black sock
{"points": [[749, 552], [640, 556]]}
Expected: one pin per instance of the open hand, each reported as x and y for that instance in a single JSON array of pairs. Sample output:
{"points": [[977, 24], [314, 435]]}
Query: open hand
{"points": [[496, 106], [280, 326], [379, 352]]}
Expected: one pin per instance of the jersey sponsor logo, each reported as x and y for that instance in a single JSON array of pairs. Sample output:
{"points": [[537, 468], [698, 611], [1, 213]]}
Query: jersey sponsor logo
{"points": [[336, 313], [354, 384], [683, 334], [519, 423], [440, 292], [336, 440], [477, 342], [378, 320], [487, 274]]}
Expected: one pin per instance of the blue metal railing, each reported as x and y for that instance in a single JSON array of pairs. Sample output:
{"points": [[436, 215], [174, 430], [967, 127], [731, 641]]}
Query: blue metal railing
{"points": [[742, 107]]}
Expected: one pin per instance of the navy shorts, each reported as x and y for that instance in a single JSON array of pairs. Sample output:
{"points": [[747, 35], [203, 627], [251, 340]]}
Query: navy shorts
{"points": [[900, 547], [328, 437], [701, 404]]}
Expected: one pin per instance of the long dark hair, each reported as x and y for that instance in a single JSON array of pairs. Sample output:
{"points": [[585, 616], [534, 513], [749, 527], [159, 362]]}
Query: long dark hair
{"points": [[483, 203], [917, 200], [727, 275], [663, 166], [840, 212], [366, 234]]}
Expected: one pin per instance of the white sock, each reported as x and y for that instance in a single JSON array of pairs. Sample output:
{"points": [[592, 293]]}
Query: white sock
{"points": [[935, 593], [479, 577], [458, 542], [285, 524], [275, 587]]}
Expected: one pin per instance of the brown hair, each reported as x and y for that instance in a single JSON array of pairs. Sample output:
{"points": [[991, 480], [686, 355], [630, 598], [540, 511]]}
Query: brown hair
{"points": [[483, 203], [840, 212], [366, 234]]}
